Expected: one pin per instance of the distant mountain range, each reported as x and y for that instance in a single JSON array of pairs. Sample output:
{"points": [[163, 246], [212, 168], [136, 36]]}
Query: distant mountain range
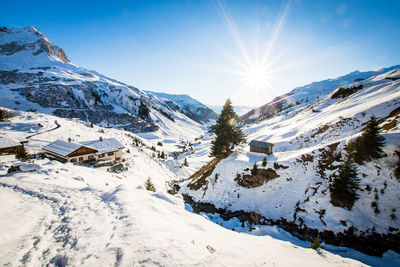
{"points": [[240, 110], [190, 107], [35, 74], [309, 93]]}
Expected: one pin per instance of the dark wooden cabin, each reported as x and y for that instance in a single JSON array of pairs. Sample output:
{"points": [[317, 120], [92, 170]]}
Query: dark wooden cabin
{"points": [[261, 147]]}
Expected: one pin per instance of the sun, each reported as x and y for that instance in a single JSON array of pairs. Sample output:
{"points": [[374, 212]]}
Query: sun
{"points": [[256, 76]]}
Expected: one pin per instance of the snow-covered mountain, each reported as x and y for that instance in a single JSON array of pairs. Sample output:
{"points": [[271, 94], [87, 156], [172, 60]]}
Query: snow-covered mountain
{"points": [[190, 107], [37, 75], [295, 190], [307, 94]]}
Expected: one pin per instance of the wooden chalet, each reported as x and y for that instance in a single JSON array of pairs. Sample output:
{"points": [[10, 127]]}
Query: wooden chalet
{"points": [[69, 152], [261, 147], [97, 150], [10, 146]]}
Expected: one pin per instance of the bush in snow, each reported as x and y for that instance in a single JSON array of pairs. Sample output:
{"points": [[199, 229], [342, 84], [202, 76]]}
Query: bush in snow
{"points": [[367, 146], [22, 154], [149, 185], [5, 114], [345, 185], [185, 163]]}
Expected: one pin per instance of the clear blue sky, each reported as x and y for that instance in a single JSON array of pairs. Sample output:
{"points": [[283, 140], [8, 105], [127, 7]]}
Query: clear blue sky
{"points": [[200, 47]]}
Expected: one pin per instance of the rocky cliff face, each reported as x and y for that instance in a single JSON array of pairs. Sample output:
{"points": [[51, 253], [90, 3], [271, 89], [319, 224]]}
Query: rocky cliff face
{"points": [[36, 74]]}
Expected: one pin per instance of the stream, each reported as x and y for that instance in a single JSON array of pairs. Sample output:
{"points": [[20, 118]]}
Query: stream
{"points": [[242, 222]]}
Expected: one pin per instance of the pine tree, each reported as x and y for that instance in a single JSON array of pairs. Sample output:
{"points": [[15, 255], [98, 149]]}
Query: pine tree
{"points": [[185, 163], [369, 145], [345, 185], [149, 185], [227, 131], [316, 243], [264, 162], [254, 170], [22, 154]]}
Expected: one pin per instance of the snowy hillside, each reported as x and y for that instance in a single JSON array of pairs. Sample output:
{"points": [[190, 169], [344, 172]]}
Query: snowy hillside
{"points": [[70, 215], [295, 191], [308, 94], [37, 75], [190, 107]]}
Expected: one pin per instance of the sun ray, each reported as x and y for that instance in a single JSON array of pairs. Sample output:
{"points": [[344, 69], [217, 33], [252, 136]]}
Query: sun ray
{"points": [[276, 31], [230, 24]]}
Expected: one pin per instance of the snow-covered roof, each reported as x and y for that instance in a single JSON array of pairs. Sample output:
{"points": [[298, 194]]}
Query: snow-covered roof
{"points": [[61, 147], [104, 145], [260, 144], [8, 142]]}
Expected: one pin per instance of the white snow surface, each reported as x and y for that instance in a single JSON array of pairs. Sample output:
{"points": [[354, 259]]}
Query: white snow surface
{"points": [[70, 215]]}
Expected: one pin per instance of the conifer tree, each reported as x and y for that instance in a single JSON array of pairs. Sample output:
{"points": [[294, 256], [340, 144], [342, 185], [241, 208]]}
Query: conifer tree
{"points": [[316, 243], [185, 163], [149, 185], [369, 145], [345, 185], [254, 170], [227, 131], [264, 162]]}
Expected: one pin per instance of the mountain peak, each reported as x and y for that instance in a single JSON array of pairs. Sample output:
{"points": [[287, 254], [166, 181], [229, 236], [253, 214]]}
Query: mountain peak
{"points": [[26, 47]]}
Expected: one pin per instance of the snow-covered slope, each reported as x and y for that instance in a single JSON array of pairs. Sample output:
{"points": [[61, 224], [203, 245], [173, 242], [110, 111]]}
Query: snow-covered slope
{"points": [[69, 215], [298, 199], [36, 75], [191, 107], [308, 94]]}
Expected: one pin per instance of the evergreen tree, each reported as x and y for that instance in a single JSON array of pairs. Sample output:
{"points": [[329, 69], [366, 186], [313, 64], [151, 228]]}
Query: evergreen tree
{"points": [[369, 145], [185, 163], [149, 185], [264, 162], [345, 185], [228, 132], [316, 243], [22, 154], [254, 170]]}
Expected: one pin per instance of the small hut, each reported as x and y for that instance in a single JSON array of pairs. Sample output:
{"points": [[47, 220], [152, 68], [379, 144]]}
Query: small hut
{"points": [[9, 146], [261, 147]]}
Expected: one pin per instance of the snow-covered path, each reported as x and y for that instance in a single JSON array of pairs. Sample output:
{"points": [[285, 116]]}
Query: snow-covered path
{"points": [[73, 219]]}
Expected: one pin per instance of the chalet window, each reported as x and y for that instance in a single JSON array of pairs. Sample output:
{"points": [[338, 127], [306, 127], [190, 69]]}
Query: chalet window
{"points": [[110, 154], [118, 158], [101, 156], [80, 158], [73, 160], [91, 157]]}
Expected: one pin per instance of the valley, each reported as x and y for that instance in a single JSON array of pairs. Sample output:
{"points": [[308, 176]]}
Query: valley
{"points": [[200, 209]]}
